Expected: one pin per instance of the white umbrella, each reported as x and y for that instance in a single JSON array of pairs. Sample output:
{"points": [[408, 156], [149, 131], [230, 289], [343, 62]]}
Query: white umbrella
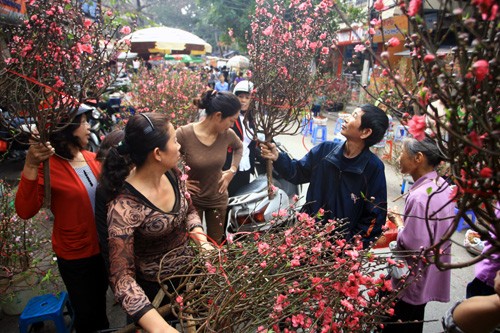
{"points": [[238, 61], [124, 56], [166, 40]]}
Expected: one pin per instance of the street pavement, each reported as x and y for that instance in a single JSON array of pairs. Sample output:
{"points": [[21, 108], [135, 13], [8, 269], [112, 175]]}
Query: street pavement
{"points": [[298, 145]]}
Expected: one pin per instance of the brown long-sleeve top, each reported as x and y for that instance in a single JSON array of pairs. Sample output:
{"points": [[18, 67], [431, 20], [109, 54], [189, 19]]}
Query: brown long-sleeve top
{"points": [[140, 234], [206, 163]]}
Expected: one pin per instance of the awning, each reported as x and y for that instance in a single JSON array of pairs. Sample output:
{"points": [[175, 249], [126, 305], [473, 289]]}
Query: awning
{"points": [[441, 50]]}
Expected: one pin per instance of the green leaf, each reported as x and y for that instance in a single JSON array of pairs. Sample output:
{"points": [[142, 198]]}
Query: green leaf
{"points": [[429, 190]]}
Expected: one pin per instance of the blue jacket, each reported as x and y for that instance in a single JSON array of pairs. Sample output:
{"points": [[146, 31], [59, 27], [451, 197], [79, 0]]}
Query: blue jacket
{"points": [[345, 188]]}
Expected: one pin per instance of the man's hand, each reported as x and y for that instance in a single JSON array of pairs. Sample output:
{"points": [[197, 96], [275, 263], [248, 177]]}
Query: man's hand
{"points": [[268, 151]]}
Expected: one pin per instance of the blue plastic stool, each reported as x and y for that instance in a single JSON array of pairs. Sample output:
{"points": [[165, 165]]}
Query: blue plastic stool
{"points": [[338, 126], [307, 125], [47, 307], [322, 129], [462, 224]]}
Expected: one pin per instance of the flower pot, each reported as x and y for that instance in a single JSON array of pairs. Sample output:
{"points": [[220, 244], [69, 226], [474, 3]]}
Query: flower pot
{"points": [[17, 291]]}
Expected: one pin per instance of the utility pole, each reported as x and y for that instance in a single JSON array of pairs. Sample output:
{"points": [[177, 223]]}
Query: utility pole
{"points": [[366, 62]]}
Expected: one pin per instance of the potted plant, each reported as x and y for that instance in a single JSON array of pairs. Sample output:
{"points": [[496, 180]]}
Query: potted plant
{"points": [[23, 261]]}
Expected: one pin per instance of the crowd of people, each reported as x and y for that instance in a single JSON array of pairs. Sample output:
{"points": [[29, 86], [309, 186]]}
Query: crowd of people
{"points": [[118, 213]]}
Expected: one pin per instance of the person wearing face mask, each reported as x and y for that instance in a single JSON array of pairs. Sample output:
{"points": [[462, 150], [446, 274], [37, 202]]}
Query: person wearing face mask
{"points": [[243, 91], [346, 179], [204, 147]]}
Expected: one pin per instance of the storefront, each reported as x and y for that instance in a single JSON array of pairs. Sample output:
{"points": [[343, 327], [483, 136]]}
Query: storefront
{"points": [[12, 11]]}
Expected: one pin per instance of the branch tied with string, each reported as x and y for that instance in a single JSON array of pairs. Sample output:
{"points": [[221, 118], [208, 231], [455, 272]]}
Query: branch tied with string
{"points": [[56, 59]]}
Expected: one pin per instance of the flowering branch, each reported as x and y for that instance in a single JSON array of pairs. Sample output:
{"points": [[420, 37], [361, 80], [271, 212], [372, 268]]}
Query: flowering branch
{"points": [[57, 59]]}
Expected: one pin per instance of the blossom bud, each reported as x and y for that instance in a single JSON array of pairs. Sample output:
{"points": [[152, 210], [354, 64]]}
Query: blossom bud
{"points": [[429, 58]]}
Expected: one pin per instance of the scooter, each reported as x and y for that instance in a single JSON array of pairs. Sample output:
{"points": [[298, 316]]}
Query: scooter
{"points": [[13, 136], [250, 209], [100, 125]]}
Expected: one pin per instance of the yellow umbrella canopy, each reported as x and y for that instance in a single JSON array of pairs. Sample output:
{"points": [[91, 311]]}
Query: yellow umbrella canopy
{"points": [[166, 40]]}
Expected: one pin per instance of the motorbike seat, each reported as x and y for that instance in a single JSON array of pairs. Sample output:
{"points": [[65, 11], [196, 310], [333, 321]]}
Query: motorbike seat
{"points": [[257, 185]]}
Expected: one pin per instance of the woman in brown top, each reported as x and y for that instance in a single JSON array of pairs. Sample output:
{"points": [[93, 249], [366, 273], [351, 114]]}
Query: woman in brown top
{"points": [[149, 215], [205, 145]]}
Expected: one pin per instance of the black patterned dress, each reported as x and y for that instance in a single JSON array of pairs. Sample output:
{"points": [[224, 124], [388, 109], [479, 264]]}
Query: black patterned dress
{"points": [[140, 234]]}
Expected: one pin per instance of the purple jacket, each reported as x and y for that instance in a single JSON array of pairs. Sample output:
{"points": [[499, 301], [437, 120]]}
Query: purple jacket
{"points": [[486, 269], [432, 285]]}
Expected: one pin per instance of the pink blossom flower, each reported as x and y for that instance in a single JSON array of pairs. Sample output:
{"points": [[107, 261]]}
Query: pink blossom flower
{"points": [[325, 50], [359, 48], [210, 268], [179, 300], [376, 22], [109, 13], [263, 264], [414, 8], [481, 69], [379, 5], [416, 126], [371, 31], [298, 320], [87, 23], [268, 31], [295, 263], [322, 36], [184, 177], [393, 42], [263, 248], [125, 30]]}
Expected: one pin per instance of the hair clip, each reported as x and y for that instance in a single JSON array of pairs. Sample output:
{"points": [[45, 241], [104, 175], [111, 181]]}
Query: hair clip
{"points": [[151, 128]]}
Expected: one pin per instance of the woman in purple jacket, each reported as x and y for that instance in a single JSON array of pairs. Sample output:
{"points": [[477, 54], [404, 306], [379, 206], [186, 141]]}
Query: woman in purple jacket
{"points": [[428, 214]]}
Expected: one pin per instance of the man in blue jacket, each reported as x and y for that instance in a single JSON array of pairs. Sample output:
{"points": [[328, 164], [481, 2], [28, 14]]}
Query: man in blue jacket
{"points": [[346, 179]]}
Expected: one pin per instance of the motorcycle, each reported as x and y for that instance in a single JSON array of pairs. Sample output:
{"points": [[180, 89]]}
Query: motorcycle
{"points": [[100, 125], [250, 209], [14, 136]]}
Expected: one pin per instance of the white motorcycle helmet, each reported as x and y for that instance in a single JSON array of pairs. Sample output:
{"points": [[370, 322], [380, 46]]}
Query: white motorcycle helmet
{"points": [[244, 86]]}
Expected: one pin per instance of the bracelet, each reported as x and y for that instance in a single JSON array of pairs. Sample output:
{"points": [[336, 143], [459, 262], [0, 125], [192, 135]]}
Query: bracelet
{"points": [[231, 169]]}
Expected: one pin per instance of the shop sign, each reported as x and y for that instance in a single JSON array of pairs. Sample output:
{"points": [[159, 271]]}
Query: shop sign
{"points": [[12, 11], [344, 37], [353, 36], [392, 27]]}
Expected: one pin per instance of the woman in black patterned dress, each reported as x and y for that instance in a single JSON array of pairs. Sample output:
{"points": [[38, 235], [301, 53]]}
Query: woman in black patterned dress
{"points": [[149, 214]]}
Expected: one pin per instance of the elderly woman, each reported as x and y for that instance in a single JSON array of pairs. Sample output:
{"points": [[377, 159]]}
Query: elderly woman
{"points": [[428, 214]]}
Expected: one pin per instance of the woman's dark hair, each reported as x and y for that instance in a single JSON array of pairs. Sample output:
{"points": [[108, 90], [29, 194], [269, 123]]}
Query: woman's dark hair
{"points": [[427, 147], [143, 133], [62, 141], [111, 140], [224, 102], [375, 119]]}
